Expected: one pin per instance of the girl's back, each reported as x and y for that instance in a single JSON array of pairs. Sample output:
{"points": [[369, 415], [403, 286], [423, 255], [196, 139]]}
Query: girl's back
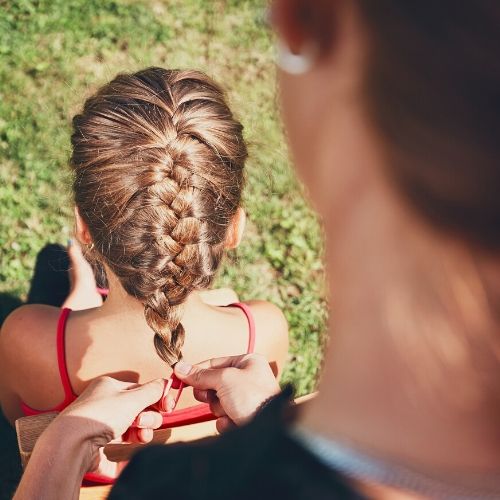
{"points": [[119, 343]]}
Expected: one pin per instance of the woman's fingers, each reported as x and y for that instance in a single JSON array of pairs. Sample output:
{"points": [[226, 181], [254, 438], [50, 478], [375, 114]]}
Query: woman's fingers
{"points": [[145, 395], [201, 395], [145, 435], [167, 403], [205, 395], [148, 420], [210, 397], [241, 383], [214, 403], [224, 424], [143, 427], [206, 375], [225, 362]]}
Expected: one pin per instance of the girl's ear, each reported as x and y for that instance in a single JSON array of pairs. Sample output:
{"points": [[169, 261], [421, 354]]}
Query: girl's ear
{"points": [[81, 229], [236, 229]]}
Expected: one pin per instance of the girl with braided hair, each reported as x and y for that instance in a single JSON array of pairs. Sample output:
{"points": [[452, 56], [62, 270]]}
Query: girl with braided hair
{"points": [[158, 162]]}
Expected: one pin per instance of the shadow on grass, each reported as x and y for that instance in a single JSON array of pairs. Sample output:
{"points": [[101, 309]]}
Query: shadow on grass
{"points": [[8, 302]]}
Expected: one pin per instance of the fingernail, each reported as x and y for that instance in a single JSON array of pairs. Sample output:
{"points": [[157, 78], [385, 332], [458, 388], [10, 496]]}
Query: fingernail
{"points": [[165, 404], [182, 368], [170, 405], [146, 420]]}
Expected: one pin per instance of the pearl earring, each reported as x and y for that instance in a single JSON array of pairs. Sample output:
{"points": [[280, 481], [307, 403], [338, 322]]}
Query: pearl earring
{"points": [[295, 64]]}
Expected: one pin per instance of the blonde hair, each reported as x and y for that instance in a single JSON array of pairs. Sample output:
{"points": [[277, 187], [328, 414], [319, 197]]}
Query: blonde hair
{"points": [[158, 173]]}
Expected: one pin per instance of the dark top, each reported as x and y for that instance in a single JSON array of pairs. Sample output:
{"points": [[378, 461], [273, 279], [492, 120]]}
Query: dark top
{"points": [[258, 461]]}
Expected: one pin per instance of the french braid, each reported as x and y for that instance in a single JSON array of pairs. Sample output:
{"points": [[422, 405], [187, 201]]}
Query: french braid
{"points": [[158, 173]]}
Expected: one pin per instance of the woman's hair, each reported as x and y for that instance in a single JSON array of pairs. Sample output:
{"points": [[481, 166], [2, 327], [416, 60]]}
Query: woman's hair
{"points": [[158, 173], [432, 86]]}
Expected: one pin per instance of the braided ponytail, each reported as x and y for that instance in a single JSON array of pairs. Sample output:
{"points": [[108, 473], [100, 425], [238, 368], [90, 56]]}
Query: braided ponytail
{"points": [[165, 320], [158, 173]]}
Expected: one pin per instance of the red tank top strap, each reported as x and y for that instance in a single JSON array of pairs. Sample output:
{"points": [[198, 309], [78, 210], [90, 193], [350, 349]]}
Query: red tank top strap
{"points": [[251, 324], [69, 395]]}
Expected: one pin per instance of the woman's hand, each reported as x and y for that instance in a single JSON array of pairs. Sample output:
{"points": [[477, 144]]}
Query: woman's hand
{"points": [[117, 405], [234, 387], [72, 444], [106, 410]]}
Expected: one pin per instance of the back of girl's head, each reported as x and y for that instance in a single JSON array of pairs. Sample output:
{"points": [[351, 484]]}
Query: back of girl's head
{"points": [[158, 173]]}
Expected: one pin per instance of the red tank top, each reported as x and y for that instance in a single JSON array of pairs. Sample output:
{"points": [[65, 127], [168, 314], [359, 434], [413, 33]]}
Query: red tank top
{"points": [[69, 394]]}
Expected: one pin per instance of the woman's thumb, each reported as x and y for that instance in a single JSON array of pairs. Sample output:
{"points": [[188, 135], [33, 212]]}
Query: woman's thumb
{"points": [[148, 393], [197, 376]]}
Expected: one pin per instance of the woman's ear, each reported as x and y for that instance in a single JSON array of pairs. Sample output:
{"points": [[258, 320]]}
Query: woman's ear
{"points": [[81, 229], [236, 229], [288, 24], [304, 23]]}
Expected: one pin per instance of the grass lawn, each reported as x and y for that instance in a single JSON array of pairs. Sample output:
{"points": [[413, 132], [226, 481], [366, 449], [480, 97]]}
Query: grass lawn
{"points": [[53, 53]]}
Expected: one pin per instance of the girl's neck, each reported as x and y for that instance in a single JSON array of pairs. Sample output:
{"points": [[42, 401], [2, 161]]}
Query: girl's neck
{"points": [[119, 302], [412, 371]]}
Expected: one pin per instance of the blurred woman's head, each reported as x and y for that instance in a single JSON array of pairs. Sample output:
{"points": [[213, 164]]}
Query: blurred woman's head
{"points": [[158, 175], [392, 112], [412, 86]]}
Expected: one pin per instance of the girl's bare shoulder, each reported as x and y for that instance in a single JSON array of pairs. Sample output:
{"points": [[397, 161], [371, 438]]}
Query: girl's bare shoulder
{"points": [[268, 317], [271, 330], [27, 333], [29, 319]]}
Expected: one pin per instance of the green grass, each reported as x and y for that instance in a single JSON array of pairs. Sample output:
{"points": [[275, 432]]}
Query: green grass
{"points": [[53, 53]]}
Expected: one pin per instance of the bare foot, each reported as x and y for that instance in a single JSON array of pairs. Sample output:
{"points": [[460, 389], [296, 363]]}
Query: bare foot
{"points": [[83, 289]]}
